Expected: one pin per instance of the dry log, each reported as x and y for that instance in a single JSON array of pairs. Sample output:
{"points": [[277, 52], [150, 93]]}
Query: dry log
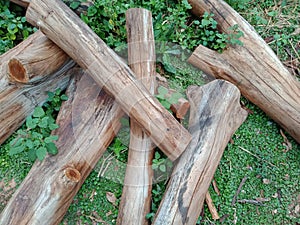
{"points": [[136, 195], [215, 114], [181, 108], [253, 68], [212, 209], [66, 29], [88, 122], [17, 100]]}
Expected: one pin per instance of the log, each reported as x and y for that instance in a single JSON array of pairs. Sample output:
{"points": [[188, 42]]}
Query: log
{"points": [[253, 68], [39, 58], [65, 28], [136, 195], [88, 122], [215, 114], [18, 101]]}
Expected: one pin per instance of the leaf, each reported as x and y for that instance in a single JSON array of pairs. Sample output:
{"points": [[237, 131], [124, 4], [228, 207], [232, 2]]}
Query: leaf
{"points": [[16, 150], [162, 91], [41, 153], [29, 143], [111, 198], [163, 168], [64, 98], [44, 122], [53, 126], [74, 5], [38, 112], [31, 154], [92, 11], [51, 138], [51, 148]]}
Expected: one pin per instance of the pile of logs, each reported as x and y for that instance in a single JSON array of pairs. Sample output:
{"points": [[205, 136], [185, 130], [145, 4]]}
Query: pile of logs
{"points": [[66, 53]]}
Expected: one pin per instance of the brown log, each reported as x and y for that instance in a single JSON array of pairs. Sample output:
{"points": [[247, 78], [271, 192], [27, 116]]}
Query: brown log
{"points": [[253, 68], [212, 209], [39, 58], [18, 101], [88, 122], [136, 195], [65, 28], [180, 108], [215, 114]]}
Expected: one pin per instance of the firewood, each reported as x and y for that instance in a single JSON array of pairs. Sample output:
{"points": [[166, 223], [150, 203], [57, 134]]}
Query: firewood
{"points": [[136, 195], [69, 32], [253, 68], [215, 114], [88, 121]]}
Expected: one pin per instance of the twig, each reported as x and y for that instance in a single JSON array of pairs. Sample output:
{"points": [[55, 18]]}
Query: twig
{"points": [[245, 150], [238, 191], [251, 201], [215, 186], [212, 209]]}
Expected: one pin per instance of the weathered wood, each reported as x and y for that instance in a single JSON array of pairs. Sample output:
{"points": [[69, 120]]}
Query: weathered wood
{"points": [[136, 195], [70, 33], [88, 121], [253, 68], [215, 114], [39, 58], [18, 101], [212, 209], [180, 108]]}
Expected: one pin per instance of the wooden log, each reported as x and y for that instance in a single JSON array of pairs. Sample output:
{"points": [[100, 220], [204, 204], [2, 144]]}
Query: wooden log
{"points": [[136, 195], [212, 209], [18, 101], [88, 121], [65, 29], [215, 114], [39, 58], [253, 68]]}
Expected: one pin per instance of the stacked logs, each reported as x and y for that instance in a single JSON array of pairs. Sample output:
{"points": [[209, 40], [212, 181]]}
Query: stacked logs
{"points": [[101, 88]]}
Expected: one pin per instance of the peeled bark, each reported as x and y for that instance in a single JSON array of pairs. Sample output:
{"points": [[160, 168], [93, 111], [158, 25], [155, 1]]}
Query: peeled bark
{"points": [[215, 114], [88, 122], [70, 33], [17, 100], [136, 195], [253, 68]]}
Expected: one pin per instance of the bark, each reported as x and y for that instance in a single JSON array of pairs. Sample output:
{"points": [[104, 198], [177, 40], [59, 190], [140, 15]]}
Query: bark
{"points": [[215, 114], [18, 100], [88, 122], [136, 196], [253, 68], [65, 29]]}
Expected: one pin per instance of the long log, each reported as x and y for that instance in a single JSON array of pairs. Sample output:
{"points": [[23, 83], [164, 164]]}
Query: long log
{"points": [[65, 28], [136, 195], [253, 68], [88, 121], [18, 101], [215, 114]]}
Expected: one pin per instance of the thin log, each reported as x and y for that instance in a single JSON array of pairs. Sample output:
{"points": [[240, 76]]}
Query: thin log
{"points": [[136, 195], [17, 100], [215, 114], [88, 122], [212, 209], [253, 68], [65, 28]]}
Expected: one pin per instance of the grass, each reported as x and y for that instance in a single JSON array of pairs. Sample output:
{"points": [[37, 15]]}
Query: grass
{"points": [[257, 151]]}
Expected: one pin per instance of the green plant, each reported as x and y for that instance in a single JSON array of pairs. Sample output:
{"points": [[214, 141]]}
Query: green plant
{"points": [[165, 98], [35, 136]]}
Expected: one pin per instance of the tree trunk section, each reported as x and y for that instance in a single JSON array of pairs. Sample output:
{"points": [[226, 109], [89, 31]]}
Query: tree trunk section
{"points": [[253, 68], [17, 100], [88, 122], [66, 29], [215, 114], [136, 196]]}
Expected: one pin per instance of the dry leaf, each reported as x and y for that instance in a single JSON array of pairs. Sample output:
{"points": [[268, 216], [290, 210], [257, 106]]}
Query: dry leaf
{"points": [[111, 198], [286, 143]]}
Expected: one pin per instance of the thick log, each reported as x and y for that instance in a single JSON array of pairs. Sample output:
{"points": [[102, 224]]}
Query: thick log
{"points": [[65, 28], [18, 101], [88, 121], [215, 114], [39, 58], [136, 195], [253, 68]]}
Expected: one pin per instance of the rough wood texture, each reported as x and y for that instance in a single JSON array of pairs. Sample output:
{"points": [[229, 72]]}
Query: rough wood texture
{"points": [[253, 68], [70, 33], [40, 58], [215, 114], [136, 196], [88, 122], [17, 100]]}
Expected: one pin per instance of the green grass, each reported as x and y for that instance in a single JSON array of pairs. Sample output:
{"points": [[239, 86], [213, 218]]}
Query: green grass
{"points": [[257, 150]]}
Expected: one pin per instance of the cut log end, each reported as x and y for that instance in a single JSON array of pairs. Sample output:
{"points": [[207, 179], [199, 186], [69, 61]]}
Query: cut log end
{"points": [[72, 175], [16, 71]]}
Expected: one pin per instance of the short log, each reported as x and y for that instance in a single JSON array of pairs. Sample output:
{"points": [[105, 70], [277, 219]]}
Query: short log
{"points": [[136, 195], [65, 28], [253, 68], [88, 122], [215, 114]]}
